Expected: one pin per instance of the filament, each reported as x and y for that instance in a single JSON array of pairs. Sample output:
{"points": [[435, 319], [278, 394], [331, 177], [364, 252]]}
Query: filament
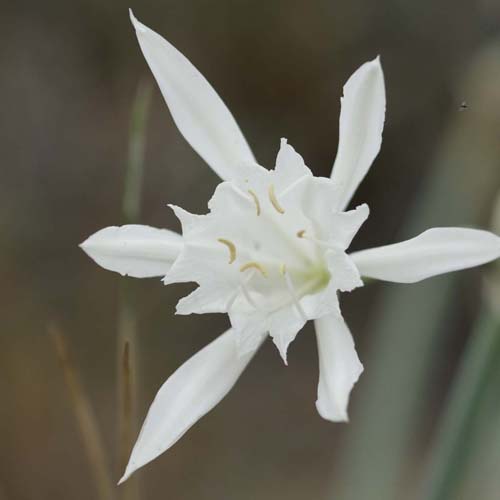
{"points": [[247, 296], [293, 295], [242, 288]]}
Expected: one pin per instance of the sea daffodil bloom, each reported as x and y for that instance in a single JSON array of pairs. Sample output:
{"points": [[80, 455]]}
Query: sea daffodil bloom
{"points": [[272, 251]]}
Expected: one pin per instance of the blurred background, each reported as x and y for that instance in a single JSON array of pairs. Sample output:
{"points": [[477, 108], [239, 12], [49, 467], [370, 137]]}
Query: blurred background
{"points": [[69, 75]]}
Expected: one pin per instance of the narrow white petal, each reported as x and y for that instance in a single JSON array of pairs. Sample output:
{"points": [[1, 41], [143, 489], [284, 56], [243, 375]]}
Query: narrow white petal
{"points": [[339, 367], [191, 392], [134, 250], [199, 113], [360, 130], [436, 251]]}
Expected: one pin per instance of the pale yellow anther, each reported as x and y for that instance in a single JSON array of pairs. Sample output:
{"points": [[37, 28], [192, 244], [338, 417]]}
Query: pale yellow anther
{"points": [[301, 233], [274, 201], [231, 247], [256, 200], [283, 269], [254, 265]]}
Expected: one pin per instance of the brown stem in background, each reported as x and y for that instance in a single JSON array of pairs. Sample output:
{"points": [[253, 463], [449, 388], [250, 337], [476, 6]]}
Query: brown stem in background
{"points": [[127, 388], [87, 423]]}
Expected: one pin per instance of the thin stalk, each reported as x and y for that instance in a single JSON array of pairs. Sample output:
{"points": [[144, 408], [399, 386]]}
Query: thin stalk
{"points": [[131, 204], [127, 315], [455, 433], [87, 422]]}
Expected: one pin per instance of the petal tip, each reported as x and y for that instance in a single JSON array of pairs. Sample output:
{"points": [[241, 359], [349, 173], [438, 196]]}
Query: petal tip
{"points": [[376, 63], [337, 416], [86, 246], [125, 476], [132, 17], [139, 27], [282, 349]]}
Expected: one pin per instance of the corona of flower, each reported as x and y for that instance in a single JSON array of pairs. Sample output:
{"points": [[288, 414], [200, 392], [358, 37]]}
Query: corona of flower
{"points": [[272, 251]]}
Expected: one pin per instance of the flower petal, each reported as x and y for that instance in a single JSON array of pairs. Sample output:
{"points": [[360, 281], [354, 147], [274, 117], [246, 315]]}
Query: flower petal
{"points": [[339, 367], [435, 251], [209, 298], [199, 113], [290, 166], [360, 131], [343, 226], [284, 325], [344, 273], [134, 250], [190, 392]]}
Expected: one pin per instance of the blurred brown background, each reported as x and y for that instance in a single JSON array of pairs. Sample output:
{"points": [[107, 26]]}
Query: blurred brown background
{"points": [[69, 72]]}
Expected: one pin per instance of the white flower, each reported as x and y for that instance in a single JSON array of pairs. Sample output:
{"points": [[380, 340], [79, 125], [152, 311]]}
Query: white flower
{"points": [[272, 250]]}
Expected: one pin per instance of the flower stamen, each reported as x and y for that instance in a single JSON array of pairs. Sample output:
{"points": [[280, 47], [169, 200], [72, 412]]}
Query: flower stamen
{"points": [[254, 265], [231, 247], [302, 234], [274, 200], [256, 201], [242, 289]]}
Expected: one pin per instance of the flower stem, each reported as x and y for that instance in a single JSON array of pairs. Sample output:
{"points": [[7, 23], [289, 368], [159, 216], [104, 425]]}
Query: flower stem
{"points": [[127, 315], [456, 430]]}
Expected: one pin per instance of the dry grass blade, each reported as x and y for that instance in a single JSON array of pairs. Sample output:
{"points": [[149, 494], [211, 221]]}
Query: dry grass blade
{"points": [[85, 417]]}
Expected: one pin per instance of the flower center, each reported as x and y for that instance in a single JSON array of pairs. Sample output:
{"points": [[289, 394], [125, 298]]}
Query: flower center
{"points": [[268, 244]]}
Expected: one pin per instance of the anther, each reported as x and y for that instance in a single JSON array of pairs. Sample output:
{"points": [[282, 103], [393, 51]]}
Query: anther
{"points": [[256, 200], [283, 269], [321, 243], [231, 247], [274, 201], [254, 265]]}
